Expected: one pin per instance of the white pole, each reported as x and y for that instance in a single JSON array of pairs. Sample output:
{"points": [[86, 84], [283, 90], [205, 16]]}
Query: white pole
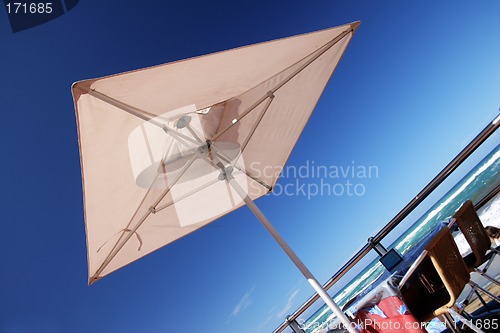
{"points": [[300, 265]]}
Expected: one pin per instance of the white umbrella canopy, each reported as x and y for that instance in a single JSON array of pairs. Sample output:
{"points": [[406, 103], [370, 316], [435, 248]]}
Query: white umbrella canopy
{"points": [[156, 144]]}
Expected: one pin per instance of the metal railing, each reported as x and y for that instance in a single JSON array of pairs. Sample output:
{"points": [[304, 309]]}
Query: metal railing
{"points": [[394, 222]]}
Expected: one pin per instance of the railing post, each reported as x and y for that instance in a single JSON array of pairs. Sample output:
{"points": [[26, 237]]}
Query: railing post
{"points": [[292, 323], [377, 246]]}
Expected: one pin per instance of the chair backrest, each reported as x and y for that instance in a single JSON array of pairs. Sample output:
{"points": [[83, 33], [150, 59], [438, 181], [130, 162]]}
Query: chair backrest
{"points": [[473, 230], [449, 264]]}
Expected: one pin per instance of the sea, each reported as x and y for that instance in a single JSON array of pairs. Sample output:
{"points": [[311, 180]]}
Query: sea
{"points": [[480, 181]]}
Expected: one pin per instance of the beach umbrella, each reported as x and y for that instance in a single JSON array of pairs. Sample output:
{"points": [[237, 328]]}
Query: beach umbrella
{"points": [[168, 149]]}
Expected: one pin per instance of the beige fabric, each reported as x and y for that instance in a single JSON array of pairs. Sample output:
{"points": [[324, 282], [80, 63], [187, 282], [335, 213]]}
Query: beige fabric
{"points": [[149, 176]]}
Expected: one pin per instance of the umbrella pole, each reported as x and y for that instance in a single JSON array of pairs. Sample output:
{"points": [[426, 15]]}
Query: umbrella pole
{"points": [[296, 260]]}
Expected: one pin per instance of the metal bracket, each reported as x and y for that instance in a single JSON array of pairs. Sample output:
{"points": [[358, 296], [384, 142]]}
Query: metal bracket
{"points": [[226, 173], [379, 248]]}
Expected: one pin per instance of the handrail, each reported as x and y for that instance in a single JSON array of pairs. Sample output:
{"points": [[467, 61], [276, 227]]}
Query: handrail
{"points": [[424, 193]]}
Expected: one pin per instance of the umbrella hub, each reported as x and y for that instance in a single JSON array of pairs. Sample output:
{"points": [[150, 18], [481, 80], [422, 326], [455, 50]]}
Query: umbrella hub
{"points": [[178, 148]]}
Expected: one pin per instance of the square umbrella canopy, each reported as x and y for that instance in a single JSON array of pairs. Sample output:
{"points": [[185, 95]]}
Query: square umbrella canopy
{"points": [[168, 149]]}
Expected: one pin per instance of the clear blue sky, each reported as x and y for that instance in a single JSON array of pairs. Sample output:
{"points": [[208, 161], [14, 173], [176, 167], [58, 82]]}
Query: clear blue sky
{"points": [[419, 80]]}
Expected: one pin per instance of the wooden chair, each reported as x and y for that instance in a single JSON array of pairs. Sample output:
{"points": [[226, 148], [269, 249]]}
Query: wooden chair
{"points": [[428, 292], [473, 230], [470, 225]]}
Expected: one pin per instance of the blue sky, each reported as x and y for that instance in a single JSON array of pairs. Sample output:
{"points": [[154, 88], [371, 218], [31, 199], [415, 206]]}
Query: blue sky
{"points": [[417, 83]]}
